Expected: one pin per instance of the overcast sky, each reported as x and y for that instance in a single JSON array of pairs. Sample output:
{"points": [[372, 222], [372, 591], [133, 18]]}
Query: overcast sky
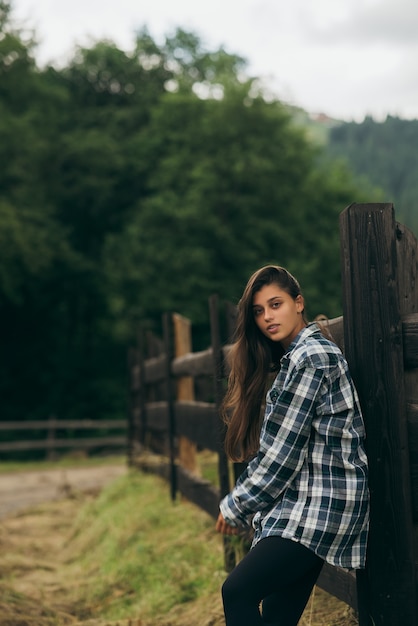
{"points": [[345, 58]]}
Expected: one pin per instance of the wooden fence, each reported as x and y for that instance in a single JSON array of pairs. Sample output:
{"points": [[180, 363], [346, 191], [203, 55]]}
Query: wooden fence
{"points": [[62, 434], [378, 333]]}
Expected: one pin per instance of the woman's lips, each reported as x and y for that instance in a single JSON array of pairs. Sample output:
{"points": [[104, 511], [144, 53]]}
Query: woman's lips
{"points": [[273, 328]]}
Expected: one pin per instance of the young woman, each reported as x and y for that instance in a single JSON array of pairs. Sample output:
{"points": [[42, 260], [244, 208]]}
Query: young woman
{"points": [[305, 488]]}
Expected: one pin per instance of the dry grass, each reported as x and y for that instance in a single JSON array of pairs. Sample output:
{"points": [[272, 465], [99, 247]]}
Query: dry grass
{"points": [[90, 560]]}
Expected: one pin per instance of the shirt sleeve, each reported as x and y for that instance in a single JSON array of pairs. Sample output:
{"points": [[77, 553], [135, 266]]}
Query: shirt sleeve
{"points": [[284, 443]]}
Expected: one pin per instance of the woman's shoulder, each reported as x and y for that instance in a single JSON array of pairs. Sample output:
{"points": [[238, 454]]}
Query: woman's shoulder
{"points": [[312, 349]]}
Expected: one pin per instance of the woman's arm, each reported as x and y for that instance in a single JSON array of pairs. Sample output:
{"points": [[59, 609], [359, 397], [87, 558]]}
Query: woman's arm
{"points": [[283, 447]]}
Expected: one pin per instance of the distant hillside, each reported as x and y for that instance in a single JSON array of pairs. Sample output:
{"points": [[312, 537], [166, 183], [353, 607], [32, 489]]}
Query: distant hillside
{"points": [[318, 125], [384, 152]]}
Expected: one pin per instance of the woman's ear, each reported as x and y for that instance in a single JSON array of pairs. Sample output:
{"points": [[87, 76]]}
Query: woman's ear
{"points": [[300, 304]]}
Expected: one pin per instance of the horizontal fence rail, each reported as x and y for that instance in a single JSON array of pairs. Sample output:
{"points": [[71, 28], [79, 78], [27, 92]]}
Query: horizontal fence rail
{"points": [[51, 442]]}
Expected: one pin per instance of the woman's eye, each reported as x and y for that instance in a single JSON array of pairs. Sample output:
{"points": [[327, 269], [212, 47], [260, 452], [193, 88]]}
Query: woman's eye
{"points": [[258, 311], [276, 305]]}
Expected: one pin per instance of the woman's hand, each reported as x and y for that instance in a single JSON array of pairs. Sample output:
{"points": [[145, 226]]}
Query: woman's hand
{"points": [[224, 528]]}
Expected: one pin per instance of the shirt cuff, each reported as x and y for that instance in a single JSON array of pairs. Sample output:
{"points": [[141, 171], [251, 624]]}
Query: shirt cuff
{"points": [[230, 513]]}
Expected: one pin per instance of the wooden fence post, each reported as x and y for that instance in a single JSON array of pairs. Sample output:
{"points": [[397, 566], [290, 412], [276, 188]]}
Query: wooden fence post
{"points": [[168, 342], [373, 346], [185, 390]]}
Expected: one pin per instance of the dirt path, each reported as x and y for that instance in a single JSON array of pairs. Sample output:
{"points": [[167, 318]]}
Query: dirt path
{"points": [[20, 490]]}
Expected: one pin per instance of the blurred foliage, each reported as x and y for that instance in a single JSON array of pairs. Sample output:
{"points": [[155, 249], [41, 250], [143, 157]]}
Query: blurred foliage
{"points": [[136, 182], [385, 153]]}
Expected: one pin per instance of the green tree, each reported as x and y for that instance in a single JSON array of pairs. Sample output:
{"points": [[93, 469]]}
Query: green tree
{"points": [[385, 153]]}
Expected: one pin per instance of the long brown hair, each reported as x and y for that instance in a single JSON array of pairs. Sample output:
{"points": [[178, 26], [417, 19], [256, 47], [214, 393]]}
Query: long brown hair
{"points": [[252, 359]]}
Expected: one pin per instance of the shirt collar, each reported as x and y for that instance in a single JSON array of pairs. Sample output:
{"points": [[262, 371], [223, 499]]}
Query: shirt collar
{"points": [[309, 330]]}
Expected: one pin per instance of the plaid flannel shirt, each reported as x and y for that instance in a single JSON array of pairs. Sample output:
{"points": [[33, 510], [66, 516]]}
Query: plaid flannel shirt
{"points": [[308, 482]]}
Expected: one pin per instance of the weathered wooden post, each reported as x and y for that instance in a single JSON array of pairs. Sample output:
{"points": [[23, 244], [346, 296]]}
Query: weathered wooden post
{"points": [[373, 346], [169, 355], [407, 248], [187, 449]]}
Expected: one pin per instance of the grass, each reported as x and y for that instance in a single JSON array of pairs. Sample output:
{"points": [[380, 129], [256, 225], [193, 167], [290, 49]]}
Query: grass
{"points": [[126, 556], [153, 554]]}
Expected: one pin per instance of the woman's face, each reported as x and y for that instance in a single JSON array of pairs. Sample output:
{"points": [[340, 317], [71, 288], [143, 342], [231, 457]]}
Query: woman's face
{"points": [[278, 315]]}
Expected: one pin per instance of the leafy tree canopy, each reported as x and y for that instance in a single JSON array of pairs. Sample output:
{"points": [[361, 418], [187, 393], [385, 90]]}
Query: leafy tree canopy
{"points": [[136, 182]]}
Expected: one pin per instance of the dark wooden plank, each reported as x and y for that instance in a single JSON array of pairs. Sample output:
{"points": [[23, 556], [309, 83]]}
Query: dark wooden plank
{"points": [[199, 491], [373, 346], [193, 364], [196, 420], [407, 275], [157, 417], [154, 369], [339, 583], [199, 422]]}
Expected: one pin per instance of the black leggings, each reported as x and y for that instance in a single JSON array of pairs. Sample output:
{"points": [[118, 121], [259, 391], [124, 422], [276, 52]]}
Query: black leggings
{"points": [[277, 572]]}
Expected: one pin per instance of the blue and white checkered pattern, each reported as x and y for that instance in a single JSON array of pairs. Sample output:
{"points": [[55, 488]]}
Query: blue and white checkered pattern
{"points": [[308, 481]]}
